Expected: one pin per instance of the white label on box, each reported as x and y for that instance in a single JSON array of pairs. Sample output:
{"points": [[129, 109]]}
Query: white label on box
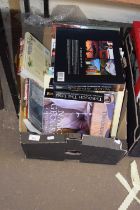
{"points": [[34, 137], [117, 141], [50, 137]]}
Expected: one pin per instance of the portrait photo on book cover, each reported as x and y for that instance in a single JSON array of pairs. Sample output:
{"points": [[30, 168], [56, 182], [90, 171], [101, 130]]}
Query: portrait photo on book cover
{"points": [[63, 116]]}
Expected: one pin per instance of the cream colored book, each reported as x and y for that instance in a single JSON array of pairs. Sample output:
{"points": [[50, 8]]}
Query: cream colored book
{"points": [[117, 111], [35, 61]]}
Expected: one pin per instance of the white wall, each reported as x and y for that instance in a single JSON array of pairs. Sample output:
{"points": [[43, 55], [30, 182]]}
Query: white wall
{"points": [[93, 9], [97, 9], [102, 10]]}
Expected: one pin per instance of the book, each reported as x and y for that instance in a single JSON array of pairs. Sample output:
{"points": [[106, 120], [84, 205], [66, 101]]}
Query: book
{"points": [[136, 35], [88, 88], [80, 96], [122, 126], [117, 112], [34, 60], [35, 104], [23, 107], [73, 116], [88, 57]]}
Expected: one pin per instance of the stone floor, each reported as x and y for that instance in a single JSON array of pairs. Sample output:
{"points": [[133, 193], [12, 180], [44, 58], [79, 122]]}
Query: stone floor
{"points": [[28, 184]]}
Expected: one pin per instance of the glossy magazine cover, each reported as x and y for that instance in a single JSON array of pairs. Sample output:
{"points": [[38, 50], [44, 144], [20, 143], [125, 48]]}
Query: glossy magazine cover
{"points": [[73, 116]]}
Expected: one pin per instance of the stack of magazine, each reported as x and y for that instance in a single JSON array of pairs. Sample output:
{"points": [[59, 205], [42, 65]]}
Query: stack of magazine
{"points": [[77, 86]]}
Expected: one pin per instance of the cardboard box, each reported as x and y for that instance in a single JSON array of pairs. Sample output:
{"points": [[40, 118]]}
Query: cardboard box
{"points": [[90, 149]]}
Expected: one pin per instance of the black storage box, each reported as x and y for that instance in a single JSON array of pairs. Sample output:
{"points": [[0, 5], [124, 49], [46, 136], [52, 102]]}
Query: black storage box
{"points": [[91, 149]]}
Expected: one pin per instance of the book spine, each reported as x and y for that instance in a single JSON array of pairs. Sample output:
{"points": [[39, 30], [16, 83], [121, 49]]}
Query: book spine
{"points": [[20, 57], [94, 97], [73, 87], [117, 112], [26, 97], [136, 35]]}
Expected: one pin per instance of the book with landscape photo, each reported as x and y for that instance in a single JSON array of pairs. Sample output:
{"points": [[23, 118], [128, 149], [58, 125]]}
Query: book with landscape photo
{"points": [[88, 57]]}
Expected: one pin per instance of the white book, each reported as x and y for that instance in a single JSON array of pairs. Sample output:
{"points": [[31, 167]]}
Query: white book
{"points": [[117, 112]]}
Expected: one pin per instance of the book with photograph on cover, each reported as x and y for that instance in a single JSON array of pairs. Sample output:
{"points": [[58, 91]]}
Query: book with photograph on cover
{"points": [[88, 57], [73, 116]]}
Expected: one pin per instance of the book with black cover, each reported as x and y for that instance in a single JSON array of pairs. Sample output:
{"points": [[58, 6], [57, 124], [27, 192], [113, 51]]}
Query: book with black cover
{"points": [[88, 57], [73, 95]]}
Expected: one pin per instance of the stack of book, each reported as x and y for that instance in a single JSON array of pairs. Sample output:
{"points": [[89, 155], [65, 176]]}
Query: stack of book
{"points": [[77, 87]]}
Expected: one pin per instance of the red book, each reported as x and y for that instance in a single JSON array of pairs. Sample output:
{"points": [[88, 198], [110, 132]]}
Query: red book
{"points": [[136, 38], [137, 86]]}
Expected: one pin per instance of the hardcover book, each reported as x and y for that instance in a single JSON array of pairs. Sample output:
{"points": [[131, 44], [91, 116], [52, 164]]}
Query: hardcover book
{"points": [[81, 96], [88, 57], [34, 60], [73, 116]]}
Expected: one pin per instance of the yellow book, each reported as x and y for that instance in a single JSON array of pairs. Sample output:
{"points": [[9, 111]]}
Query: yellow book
{"points": [[35, 61]]}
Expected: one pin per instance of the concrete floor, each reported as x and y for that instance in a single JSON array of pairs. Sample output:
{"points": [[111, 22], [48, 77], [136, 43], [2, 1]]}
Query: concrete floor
{"points": [[27, 184]]}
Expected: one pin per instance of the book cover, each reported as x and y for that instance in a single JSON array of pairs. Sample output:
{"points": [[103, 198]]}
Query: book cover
{"points": [[117, 112], [35, 60], [87, 57], [73, 116]]}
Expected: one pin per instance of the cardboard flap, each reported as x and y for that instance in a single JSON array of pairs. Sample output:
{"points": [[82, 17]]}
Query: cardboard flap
{"points": [[101, 150]]}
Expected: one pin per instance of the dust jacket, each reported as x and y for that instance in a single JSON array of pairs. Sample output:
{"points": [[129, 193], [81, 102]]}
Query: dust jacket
{"points": [[88, 57]]}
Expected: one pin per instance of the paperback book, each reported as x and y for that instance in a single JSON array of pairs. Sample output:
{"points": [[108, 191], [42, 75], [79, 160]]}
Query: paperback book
{"points": [[34, 60], [73, 116], [88, 57]]}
